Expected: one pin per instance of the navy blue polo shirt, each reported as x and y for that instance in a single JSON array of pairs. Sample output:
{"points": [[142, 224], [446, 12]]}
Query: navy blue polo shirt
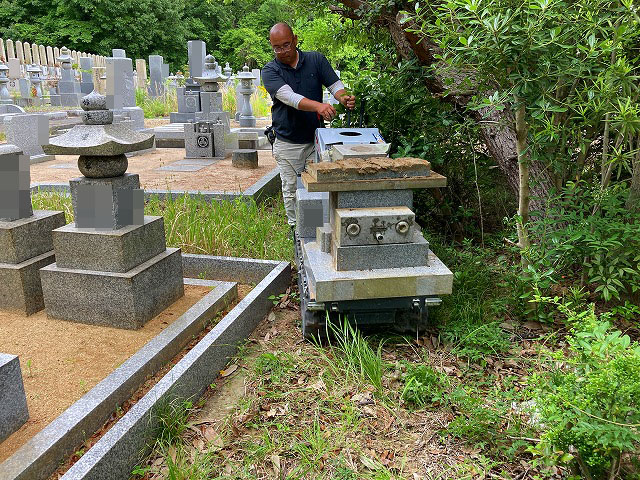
{"points": [[311, 73]]}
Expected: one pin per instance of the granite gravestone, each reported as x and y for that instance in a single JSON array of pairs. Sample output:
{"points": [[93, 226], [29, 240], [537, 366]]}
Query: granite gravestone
{"points": [[112, 265], [13, 400], [25, 236], [29, 132], [86, 68]]}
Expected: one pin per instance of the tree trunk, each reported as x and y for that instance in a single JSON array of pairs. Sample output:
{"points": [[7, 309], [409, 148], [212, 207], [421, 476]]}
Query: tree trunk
{"points": [[496, 127], [523, 176]]}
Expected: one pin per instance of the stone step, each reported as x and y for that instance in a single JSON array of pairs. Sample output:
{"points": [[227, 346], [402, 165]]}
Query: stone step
{"points": [[121, 300], [20, 285], [115, 251], [26, 238]]}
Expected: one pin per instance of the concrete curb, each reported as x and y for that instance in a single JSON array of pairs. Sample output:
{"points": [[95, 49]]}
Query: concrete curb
{"points": [[40, 456], [124, 445], [268, 185]]}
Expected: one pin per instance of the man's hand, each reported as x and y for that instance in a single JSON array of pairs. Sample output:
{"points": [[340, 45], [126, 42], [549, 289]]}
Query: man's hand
{"points": [[326, 111], [349, 101]]}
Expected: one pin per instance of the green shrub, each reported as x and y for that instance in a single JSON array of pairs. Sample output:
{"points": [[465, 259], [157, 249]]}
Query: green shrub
{"points": [[588, 399], [423, 386]]}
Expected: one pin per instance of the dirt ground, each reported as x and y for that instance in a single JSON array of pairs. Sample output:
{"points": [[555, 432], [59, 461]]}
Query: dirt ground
{"points": [[61, 361], [220, 176]]}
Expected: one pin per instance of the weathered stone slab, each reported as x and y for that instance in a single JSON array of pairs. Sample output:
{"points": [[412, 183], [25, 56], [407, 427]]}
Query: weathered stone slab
{"points": [[13, 401], [373, 198], [174, 167], [122, 300], [111, 250], [28, 132], [26, 238], [370, 257], [356, 168], [20, 285], [358, 150], [326, 284], [434, 180]]}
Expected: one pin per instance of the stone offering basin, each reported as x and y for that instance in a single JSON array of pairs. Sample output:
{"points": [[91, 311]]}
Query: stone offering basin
{"points": [[99, 140]]}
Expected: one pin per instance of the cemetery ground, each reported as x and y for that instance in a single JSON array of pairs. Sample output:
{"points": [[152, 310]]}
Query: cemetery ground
{"points": [[458, 401]]}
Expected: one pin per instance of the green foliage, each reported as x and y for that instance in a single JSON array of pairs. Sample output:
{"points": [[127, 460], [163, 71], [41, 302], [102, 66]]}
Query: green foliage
{"points": [[352, 354], [242, 45], [171, 417], [588, 399], [157, 107], [273, 365], [423, 386], [588, 232], [468, 317]]}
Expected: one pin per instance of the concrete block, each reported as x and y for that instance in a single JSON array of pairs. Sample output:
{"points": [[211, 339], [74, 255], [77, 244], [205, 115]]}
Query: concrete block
{"points": [[328, 285], [111, 250], [107, 203], [244, 158], [323, 237], [122, 300], [312, 211], [13, 401], [20, 284], [371, 257], [26, 238]]}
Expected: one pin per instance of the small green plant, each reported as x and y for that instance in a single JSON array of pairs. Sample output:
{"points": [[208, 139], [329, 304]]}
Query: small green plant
{"points": [[423, 386], [29, 363], [274, 365], [588, 399], [352, 354], [171, 421]]}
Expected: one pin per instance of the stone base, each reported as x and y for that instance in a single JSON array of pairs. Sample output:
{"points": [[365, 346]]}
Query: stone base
{"points": [[177, 117], [247, 121], [122, 300], [118, 250], [327, 285], [20, 285], [312, 211], [13, 401], [24, 239], [244, 158], [70, 99], [372, 257], [41, 158]]}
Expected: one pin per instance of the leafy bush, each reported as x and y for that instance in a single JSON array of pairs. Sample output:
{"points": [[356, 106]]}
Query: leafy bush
{"points": [[157, 107], [588, 399], [588, 234], [423, 386]]}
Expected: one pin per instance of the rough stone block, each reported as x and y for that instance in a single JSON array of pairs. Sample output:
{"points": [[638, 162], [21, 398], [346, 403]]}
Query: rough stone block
{"points": [[107, 203], [122, 300], [15, 191], [109, 251], [311, 211], [28, 132], [323, 237], [13, 401], [364, 150], [371, 257], [20, 285], [27, 238], [245, 158]]}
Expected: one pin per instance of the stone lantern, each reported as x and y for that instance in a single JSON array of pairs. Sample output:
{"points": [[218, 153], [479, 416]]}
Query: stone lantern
{"points": [[36, 80], [211, 76], [246, 89], [4, 80], [228, 71]]}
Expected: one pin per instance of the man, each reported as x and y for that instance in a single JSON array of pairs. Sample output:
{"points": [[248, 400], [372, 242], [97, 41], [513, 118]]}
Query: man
{"points": [[294, 80]]}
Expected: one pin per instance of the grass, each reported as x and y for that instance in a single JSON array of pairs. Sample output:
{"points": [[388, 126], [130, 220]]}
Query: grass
{"points": [[240, 228], [160, 106], [260, 101]]}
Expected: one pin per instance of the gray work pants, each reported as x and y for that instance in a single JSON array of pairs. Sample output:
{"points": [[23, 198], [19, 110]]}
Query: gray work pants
{"points": [[291, 159]]}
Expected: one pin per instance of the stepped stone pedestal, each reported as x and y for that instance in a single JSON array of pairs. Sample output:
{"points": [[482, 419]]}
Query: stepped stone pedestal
{"points": [[112, 265], [13, 401], [26, 243]]}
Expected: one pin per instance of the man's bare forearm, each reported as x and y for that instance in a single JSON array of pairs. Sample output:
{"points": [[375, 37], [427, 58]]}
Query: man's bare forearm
{"points": [[308, 105]]}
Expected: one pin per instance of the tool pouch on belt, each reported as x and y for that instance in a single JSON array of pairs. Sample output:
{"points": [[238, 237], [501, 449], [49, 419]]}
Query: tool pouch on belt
{"points": [[270, 133]]}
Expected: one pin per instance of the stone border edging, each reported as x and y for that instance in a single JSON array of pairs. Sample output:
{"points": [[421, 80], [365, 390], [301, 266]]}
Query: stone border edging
{"points": [[39, 457], [268, 185], [122, 447]]}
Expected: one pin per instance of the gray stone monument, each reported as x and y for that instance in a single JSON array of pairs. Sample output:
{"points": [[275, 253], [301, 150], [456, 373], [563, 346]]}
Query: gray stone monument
{"points": [[210, 94], [29, 132], [156, 87], [189, 95], [204, 139], [5, 97], [13, 400], [68, 87], [86, 75], [246, 89], [112, 265], [121, 93], [244, 158], [26, 243]]}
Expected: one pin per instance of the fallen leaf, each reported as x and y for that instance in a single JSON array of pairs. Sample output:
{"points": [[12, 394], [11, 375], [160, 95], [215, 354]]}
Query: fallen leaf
{"points": [[229, 370], [362, 398], [199, 444], [275, 460], [173, 453], [272, 317], [212, 437], [369, 463], [319, 385]]}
